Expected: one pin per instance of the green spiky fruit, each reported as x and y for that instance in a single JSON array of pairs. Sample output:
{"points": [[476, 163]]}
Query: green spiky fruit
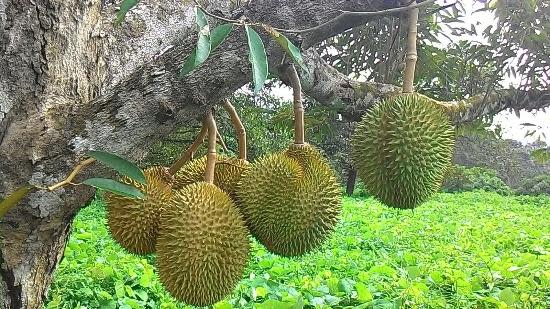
{"points": [[203, 245], [226, 176], [402, 148], [291, 200], [133, 223]]}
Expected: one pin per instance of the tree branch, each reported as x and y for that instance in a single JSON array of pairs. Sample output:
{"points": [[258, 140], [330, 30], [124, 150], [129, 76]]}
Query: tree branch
{"points": [[352, 98], [497, 101], [153, 100]]}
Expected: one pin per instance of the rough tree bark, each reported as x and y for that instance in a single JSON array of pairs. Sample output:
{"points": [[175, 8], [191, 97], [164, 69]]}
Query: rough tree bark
{"points": [[71, 82]]}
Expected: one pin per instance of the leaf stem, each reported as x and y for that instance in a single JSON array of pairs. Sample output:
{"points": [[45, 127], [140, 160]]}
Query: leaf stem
{"points": [[73, 174], [233, 21]]}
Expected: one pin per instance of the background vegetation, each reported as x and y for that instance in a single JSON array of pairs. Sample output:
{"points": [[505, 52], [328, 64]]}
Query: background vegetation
{"points": [[461, 250]]}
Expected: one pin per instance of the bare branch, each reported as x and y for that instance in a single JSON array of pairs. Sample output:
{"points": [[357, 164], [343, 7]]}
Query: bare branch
{"points": [[345, 15]]}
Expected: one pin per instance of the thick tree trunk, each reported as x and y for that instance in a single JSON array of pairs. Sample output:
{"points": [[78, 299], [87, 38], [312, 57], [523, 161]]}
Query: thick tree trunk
{"points": [[70, 82], [55, 58], [350, 181]]}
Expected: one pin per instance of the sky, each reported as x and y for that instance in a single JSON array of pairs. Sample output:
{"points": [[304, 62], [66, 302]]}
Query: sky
{"points": [[510, 124]]}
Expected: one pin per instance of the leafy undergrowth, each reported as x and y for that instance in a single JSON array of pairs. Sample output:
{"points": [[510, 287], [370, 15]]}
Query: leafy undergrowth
{"points": [[467, 250]]}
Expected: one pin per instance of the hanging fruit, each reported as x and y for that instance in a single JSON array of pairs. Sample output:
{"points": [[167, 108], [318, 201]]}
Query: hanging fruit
{"points": [[203, 245], [133, 223], [403, 146], [291, 200]]}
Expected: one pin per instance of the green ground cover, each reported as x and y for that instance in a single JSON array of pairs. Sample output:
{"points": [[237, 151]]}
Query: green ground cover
{"points": [[462, 250]]}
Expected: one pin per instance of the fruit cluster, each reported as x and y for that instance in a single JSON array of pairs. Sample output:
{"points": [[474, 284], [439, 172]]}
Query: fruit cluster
{"points": [[289, 201]]}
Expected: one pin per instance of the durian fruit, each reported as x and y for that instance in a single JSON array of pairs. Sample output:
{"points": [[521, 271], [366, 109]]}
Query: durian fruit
{"points": [[203, 245], [402, 148], [290, 200], [227, 173], [133, 223]]}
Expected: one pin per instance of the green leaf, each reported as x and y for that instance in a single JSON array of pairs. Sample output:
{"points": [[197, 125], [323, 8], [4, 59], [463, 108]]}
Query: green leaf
{"points": [[332, 284], [223, 305], [119, 290], [507, 296], [142, 295], [437, 276], [203, 44], [258, 58], [189, 64], [273, 304], [119, 164], [125, 6], [11, 200], [261, 291], [287, 45], [219, 34], [201, 20], [216, 37], [115, 187]]}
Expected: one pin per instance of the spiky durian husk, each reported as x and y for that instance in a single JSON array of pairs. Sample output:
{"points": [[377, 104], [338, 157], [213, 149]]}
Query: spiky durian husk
{"points": [[203, 245], [304, 154], [291, 200], [226, 176], [133, 223], [402, 148]]}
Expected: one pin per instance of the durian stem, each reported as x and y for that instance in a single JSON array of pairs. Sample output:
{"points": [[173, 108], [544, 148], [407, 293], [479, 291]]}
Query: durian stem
{"points": [[410, 59], [211, 158], [239, 127], [188, 154], [299, 134], [73, 174], [221, 142]]}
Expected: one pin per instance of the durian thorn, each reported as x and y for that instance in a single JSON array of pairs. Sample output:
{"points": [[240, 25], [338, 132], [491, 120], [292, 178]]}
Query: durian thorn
{"points": [[411, 56], [239, 127], [211, 157], [299, 134], [190, 152], [69, 179], [221, 141]]}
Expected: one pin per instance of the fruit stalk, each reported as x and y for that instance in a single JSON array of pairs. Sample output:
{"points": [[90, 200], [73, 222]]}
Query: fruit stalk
{"points": [[211, 157], [221, 142], [299, 134], [188, 154], [239, 127], [410, 59]]}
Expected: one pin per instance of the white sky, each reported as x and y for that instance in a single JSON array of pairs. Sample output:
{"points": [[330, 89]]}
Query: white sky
{"points": [[511, 125]]}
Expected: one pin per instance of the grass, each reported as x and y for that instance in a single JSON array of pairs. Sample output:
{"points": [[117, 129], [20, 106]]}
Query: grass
{"points": [[467, 250]]}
